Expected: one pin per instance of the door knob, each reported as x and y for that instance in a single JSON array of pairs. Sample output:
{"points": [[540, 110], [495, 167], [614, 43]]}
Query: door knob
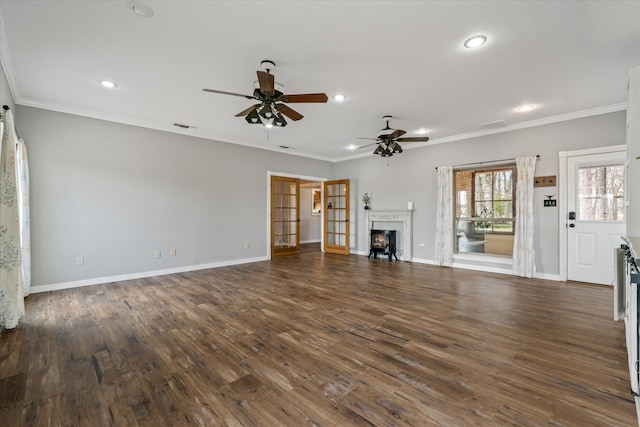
{"points": [[572, 225]]}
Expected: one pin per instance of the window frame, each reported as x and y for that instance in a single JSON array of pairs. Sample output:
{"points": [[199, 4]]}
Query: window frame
{"points": [[471, 203], [492, 219]]}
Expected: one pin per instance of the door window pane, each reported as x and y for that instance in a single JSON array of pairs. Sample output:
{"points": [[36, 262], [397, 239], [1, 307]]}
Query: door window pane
{"points": [[600, 193]]}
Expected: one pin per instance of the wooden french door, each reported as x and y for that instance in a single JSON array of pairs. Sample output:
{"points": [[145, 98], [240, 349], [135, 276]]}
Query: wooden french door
{"points": [[285, 216], [336, 218]]}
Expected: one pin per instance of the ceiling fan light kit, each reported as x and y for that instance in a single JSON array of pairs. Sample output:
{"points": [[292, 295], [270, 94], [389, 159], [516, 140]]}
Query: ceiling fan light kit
{"points": [[272, 108]]}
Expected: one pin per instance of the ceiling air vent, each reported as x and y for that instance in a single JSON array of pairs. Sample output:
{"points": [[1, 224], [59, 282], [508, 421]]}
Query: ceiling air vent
{"points": [[495, 125], [180, 125]]}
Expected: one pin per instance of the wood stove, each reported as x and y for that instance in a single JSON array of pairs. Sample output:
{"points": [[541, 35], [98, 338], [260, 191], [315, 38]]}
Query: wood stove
{"points": [[383, 241]]}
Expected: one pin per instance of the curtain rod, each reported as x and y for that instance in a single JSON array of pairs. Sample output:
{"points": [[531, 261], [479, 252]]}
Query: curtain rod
{"points": [[489, 161]]}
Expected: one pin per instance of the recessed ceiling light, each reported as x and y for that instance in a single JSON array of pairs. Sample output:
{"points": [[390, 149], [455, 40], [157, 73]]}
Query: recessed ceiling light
{"points": [[475, 41], [108, 84], [526, 107], [339, 97], [352, 147], [421, 131], [140, 9]]}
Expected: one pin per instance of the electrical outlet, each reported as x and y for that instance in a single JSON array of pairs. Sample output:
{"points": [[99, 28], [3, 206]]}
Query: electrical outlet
{"points": [[246, 245], [157, 254], [80, 260], [173, 252]]}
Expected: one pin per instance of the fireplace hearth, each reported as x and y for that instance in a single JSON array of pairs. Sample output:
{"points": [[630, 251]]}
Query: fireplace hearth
{"points": [[380, 219], [383, 241]]}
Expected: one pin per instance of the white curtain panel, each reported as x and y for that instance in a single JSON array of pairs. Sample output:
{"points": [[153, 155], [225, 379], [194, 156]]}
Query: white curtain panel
{"points": [[444, 217], [524, 262], [23, 205], [11, 285]]}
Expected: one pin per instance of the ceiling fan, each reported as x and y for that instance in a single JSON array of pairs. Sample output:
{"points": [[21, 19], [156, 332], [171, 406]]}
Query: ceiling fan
{"points": [[388, 138], [272, 108]]}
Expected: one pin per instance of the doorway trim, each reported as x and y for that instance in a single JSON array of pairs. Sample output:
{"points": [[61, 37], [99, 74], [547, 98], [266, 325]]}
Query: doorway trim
{"points": [[268, 219], [562, 199]]}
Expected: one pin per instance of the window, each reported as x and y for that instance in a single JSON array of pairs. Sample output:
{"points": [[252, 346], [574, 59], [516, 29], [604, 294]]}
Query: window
{"points": [[601, 195], [485, 210]]}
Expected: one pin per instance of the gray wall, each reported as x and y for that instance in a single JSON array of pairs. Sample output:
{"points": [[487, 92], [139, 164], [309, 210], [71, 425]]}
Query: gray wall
{"points": [[411, 176], [114, 194], [5, 93]]}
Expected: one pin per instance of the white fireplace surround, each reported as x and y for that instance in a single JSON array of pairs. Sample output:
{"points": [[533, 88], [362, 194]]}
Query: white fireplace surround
{"points": [[403, 216]]}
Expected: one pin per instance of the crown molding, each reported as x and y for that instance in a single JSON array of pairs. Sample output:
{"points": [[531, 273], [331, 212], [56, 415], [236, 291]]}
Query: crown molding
{"points": [[516, 126], [7, 63], [82, 112]]}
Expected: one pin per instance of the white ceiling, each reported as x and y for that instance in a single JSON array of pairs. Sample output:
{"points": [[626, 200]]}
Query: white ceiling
{"points": [[402, 58]]}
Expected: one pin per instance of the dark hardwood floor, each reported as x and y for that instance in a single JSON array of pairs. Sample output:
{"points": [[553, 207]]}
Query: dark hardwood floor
{"points": [[310, 248], [319, 340]]}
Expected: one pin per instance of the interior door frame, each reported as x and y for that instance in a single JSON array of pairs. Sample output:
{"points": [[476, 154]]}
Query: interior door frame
{"points": [[563, 191], [268, 216]]}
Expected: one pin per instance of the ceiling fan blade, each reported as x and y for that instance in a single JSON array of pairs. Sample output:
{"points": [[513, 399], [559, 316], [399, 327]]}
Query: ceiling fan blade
{"points": [[397, 133], [289, 112], [230, 93], [267, 82], [306, 97], [414, 139], [247, 111], [368, 145], [373, 139]]}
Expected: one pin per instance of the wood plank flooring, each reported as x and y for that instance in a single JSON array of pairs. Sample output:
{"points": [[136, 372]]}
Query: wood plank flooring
{"points": [[319, 340]]}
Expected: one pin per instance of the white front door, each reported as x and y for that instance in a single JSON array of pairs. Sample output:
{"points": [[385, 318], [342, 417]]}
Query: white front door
{"points": [[595, 219]]}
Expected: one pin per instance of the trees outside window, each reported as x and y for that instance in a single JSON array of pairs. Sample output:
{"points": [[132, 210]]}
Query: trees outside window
{"points": [[601, 193]]}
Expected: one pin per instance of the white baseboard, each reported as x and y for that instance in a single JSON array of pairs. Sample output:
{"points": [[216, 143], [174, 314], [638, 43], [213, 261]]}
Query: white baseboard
{"points": [[423, 261], [508, 271], [141, 275], [483, 268], [302, 242], [545, 276], [145, 274]]}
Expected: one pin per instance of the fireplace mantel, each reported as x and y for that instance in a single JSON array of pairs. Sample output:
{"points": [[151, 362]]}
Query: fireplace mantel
{"points": [[403, 216]]}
